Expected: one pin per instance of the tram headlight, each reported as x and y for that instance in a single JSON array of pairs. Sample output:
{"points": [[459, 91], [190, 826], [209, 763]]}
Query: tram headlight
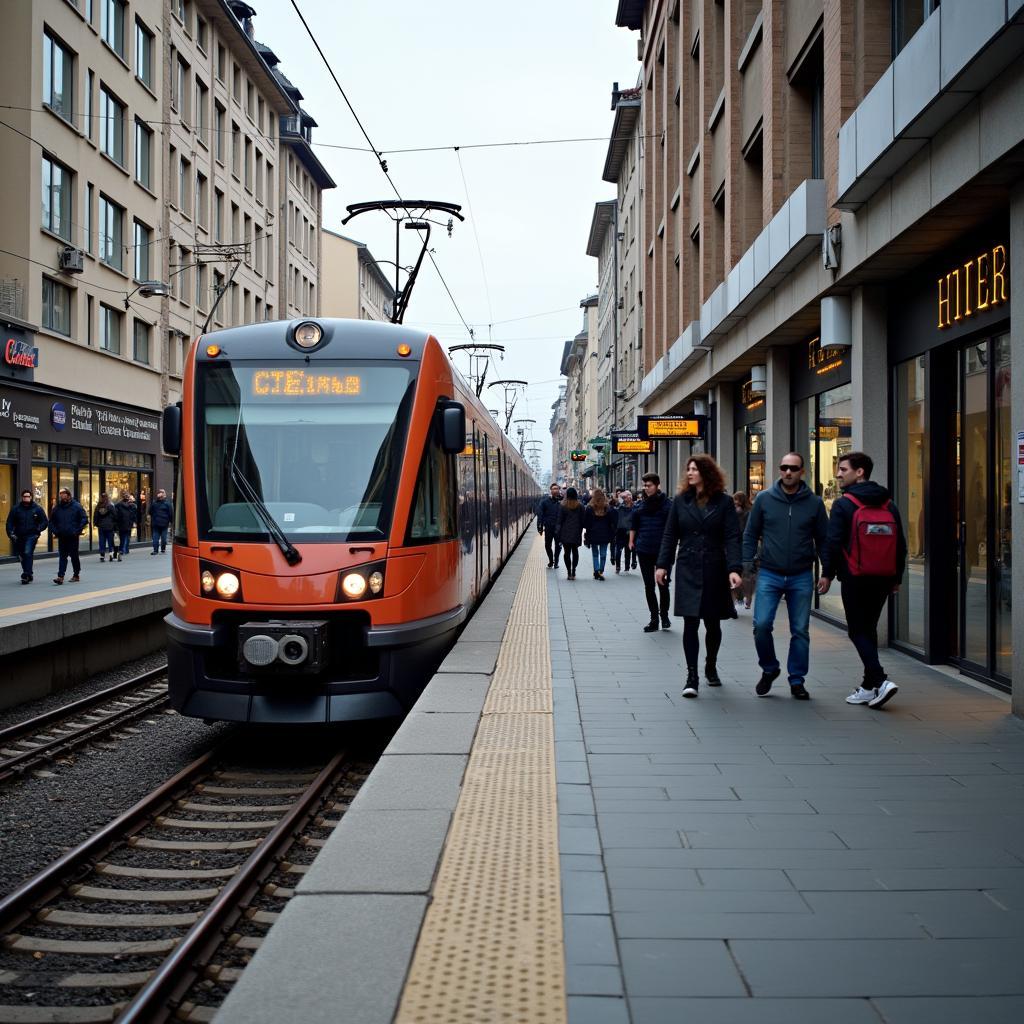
{"points": [[227, 585], [207, 581], [308, 335], [353, 585], [376, 582]]}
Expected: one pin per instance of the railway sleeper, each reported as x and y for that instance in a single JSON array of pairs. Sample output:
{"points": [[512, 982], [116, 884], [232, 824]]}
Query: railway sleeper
{"points": [[89, 947], [101, 920], [190, 874], [60, 1014], [92, 892]]}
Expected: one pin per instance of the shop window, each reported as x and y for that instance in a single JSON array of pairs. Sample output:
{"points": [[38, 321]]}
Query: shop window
{"points": [[56, 307], [58, 183], [435, 503], [58, 77]]}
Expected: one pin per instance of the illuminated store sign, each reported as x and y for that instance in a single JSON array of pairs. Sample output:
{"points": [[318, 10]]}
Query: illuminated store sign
{"points": [[629, 442], [579, 456], [750, 400], [672, 428], [18, 353], [301, 383], [820, 360], [979, 284]]}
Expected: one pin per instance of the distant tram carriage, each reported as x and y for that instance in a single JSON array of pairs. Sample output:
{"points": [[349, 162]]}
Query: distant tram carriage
{"points": [[343, 501]]}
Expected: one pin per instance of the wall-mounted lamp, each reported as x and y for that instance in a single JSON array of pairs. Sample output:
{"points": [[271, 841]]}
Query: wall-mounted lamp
{"points": [[836, 325], [758, 381]]}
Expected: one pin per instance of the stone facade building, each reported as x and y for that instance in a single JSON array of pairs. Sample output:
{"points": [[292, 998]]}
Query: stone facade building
{"points": [[355, 287]]}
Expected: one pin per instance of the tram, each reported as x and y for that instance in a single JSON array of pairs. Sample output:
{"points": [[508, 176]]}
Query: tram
{"points": [[343, 500]]}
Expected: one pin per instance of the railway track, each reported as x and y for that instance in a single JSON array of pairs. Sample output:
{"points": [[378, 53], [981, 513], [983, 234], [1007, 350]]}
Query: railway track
{"points": [[155, 916], [46, 737]]}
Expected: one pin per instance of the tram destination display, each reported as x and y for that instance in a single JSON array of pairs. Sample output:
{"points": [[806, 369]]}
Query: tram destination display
{"points": [[672, 428]]}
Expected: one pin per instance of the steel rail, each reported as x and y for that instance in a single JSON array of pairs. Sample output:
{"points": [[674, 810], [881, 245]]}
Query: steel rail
{"points": [[174, 973], [52, 879], [45, 751], [12, 732]]}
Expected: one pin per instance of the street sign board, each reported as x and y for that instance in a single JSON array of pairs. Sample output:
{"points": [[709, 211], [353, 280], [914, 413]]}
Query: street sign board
{"points": [[672, 428], [579, 456], [629, 442]]}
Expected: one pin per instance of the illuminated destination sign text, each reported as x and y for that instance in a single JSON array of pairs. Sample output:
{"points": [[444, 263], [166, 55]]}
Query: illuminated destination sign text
{"points": [[304, 383]]}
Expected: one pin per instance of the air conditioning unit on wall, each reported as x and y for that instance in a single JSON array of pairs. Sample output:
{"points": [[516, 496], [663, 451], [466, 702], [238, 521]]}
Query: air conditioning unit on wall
{"points": [[71, 260]]}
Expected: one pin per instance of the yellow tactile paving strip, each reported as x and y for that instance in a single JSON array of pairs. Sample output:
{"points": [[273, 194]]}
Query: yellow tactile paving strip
{"points": [[87, 596], [490, 949]]}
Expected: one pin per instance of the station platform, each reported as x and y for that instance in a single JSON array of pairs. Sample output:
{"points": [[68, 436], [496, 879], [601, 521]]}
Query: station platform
{"points": [[555, 834], [55, 636]]}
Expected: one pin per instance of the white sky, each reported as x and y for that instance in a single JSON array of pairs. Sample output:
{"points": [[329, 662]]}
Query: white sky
{"points": [[458, 72]]}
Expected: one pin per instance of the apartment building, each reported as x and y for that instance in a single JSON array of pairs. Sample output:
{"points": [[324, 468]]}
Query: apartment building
{"points": [[580, 367], [147, 138], [560, 465], [355, 287], [833, 225]]}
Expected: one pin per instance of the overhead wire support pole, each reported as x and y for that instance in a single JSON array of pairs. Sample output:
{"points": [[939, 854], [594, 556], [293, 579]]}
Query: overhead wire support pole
{"points": [[511, 395], [477, 351]]}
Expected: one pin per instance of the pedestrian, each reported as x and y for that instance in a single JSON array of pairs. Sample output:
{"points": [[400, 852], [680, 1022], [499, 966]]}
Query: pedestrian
{"points": [[745, 591], [649, 517], [703, 526], [569, 527], [125, 512], [547, 523], [161, 515], [600, 521], [68, 521], [104, 518], [788, 525], [867, 549], [25, 523], [620, 545]]}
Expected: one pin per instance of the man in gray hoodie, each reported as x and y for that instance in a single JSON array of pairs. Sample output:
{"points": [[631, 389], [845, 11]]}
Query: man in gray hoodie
{"points": [[789, 521]]}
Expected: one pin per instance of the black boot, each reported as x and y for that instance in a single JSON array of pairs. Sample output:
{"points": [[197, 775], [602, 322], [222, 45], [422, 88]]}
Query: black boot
{"points": [[711, 673], [652, 626], [692, 683]]}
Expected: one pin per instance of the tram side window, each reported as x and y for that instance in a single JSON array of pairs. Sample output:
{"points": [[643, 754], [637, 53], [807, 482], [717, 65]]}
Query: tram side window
{"points": [[436, 503]]}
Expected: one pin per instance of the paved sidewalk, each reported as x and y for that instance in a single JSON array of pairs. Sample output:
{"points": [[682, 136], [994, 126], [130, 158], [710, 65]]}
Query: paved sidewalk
{"points": [[735, 859]]}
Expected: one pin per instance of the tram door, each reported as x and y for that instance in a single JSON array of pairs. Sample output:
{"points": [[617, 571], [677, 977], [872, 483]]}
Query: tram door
{"points": [[487, 504], [477, 510]]}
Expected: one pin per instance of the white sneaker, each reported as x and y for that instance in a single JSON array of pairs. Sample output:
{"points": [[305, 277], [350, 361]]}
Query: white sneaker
{"points": [[884, 694], [690, 691], [862, 696]]}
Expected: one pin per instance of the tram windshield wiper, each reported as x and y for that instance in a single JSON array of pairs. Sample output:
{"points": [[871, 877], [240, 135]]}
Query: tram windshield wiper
{"points": [[290, 552]]}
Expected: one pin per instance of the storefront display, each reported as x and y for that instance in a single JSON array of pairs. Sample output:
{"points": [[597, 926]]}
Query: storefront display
{"points": [[750, 441], [953, 457]]}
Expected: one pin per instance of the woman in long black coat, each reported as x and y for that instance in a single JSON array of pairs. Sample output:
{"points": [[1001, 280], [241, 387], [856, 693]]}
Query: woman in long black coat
{"points": [[703, 525], [569, 530]]}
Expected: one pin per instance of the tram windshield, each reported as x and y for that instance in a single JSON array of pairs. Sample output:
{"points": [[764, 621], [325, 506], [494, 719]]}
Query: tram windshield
{"points": [[320, 445]]}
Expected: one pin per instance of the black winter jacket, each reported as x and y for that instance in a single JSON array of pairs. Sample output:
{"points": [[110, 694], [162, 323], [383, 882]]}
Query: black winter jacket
{"points": [[161, 513], [791, 528], [569, 527], [833, 561], [600, 529], [68, 520], [126, 513], [26, 520], [649, 518], [104, 517], [547, 513], [708, 541]]}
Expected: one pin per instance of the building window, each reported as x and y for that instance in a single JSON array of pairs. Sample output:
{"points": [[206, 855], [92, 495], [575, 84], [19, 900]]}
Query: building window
{"points": [[178, 6], [201, 295], [179, 91], [56, 195], [907, 17], [111, 233], [110, 329], [270, 185], [140, 342], [56, 307], [218, 215], [202, 200], [236, 150], [141, 239], [248, 164], [259, 177], [222, 62], [58, 78], [184, 187], [258, 249], [201, 99], [218, 290], [184, 260], [201, 33], [112, 25], [144, 54], [90, 89], [143, 155], [250, 95], [218, 129], [87, 219], [172, 184], [261, 109], [236, 83], [111, 127]]}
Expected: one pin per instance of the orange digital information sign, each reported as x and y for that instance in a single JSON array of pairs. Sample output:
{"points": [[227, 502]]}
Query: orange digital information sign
{"points": [[671, 428], [629, 442], [304, 383]]}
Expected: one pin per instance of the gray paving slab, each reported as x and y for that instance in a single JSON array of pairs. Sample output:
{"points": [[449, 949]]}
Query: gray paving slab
{"points": [[353, 952], [976, 1009], [472, 656], [413, 782], [435, 732], [379, 851], [454, 691], [752, 1011], [597, 1010], [679, 967]]}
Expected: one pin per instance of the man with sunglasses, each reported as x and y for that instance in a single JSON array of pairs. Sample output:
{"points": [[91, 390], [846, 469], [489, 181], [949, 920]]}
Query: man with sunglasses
{"points": [[789, 521]]}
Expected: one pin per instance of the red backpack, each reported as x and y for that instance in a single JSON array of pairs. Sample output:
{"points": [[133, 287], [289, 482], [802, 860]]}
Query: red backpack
{"points": [[873, 539]]}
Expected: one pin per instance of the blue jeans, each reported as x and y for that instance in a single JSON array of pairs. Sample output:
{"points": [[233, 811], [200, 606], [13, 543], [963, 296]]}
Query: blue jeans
{"points": [[124, 538], [599, 552], [798, 591], [159, 538], [106, 542], [25, 547]]}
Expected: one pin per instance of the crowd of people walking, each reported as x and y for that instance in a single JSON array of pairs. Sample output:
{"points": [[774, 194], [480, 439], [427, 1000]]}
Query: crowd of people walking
{"points": [[114, 522], [721, 553]]}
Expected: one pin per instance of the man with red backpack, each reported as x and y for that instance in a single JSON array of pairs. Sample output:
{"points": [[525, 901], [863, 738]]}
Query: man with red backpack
{"points": [[866, 548]]}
